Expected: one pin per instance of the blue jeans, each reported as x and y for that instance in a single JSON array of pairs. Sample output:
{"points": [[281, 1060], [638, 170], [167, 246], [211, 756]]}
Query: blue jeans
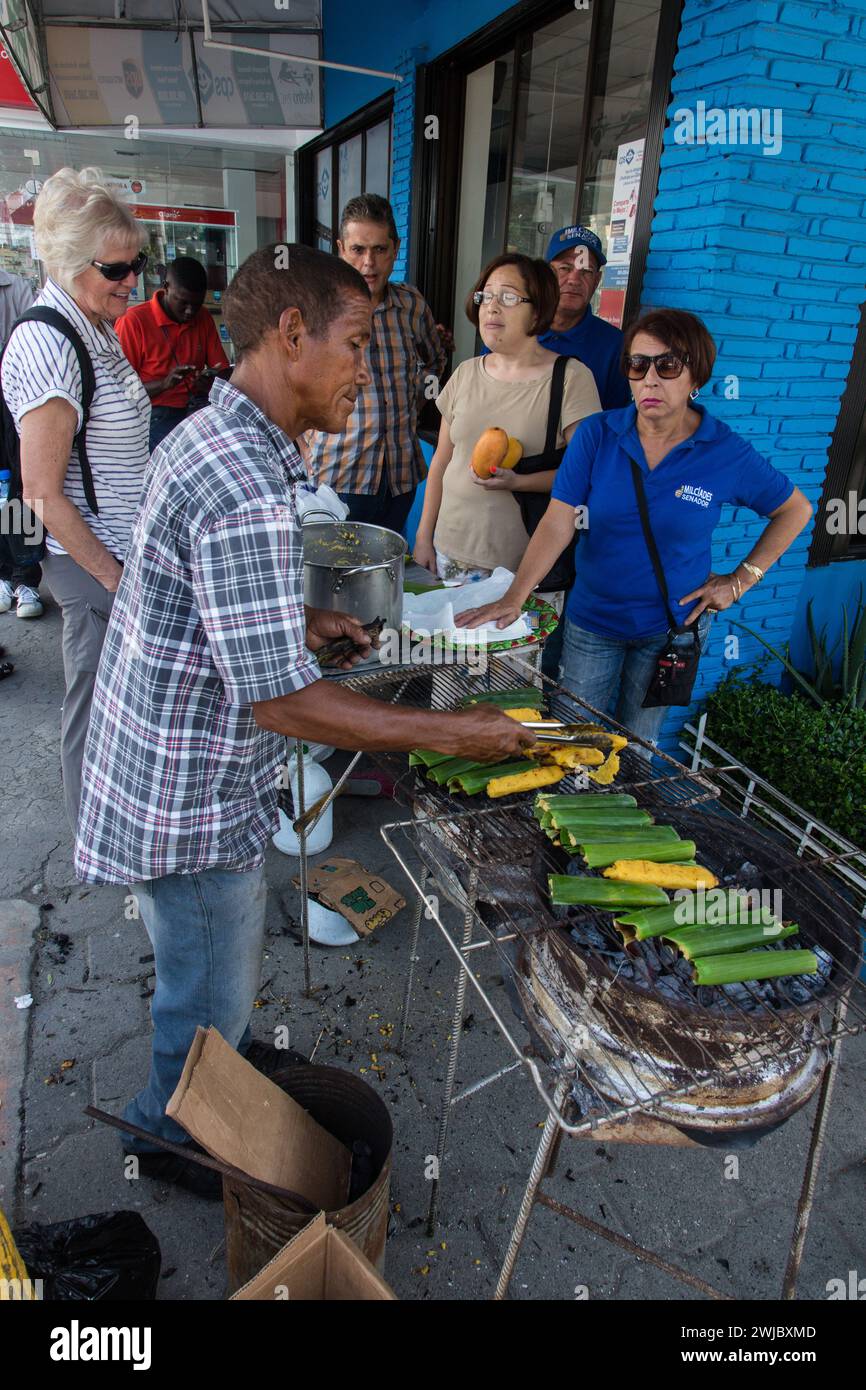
{"points": [[207, 931], [380, 508], [613, 675], [163, 419]]}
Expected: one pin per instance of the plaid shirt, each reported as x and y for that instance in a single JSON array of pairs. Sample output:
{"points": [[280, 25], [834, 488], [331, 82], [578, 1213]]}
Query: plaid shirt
{"points": [[209, 618], [405, 348]]}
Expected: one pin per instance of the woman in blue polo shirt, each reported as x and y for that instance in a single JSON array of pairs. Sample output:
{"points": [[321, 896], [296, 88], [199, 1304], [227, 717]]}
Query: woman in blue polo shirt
{"points": [[690, 464]]}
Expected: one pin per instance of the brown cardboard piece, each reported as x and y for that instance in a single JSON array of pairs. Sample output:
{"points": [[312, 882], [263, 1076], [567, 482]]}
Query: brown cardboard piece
{"points": [[243, 1118], [320, 1263], [364, 899]]}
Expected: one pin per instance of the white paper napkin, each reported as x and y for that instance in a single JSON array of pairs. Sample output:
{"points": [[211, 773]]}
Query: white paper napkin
{"points": [[435, 611]]}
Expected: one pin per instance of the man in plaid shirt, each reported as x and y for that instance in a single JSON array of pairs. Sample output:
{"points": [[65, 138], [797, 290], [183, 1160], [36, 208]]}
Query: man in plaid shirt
{"points": [[377, 463], [208, 667]]}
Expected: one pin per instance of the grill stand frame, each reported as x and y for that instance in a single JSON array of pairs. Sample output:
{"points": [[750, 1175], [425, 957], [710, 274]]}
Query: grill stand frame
{"points": [[556, 1125]]}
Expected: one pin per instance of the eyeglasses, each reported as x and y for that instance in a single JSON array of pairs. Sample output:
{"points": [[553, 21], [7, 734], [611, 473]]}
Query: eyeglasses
{"points": [[507, 298], [118, 270], [667, 364]]}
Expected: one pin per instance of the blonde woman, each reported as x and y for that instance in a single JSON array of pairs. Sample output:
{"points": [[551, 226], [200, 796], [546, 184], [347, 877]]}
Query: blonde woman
{"points": [[90, 245]]}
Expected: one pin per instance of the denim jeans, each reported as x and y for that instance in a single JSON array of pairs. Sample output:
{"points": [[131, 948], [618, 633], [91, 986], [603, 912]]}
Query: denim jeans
{"points": [[207, 931], [163, 419], [380, 508], [613, 675]]}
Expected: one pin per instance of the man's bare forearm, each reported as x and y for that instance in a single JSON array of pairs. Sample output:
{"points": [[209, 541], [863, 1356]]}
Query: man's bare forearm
{"points": [[325, 712]]}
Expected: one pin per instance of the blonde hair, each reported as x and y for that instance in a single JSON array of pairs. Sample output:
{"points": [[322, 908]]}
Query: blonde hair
{"points": [[75, 214]]}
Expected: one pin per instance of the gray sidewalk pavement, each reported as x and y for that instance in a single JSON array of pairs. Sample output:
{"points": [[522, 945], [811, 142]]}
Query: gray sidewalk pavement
{"points": [[86, 1038]]}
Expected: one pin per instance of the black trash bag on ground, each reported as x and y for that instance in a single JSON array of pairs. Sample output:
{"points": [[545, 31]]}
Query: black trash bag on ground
{"points": [[110, 1256]]}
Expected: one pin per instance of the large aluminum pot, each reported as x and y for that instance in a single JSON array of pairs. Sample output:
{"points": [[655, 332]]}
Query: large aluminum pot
{"points": [[354, 568]]}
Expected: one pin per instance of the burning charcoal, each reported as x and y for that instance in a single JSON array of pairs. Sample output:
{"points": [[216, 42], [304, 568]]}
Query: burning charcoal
{"points": [[794, 990], [585, 934], [707, 997], [667, 956], [641, 973], [825, 962], [585, 1099], [738, 995], [673, 988], [683, 968]]}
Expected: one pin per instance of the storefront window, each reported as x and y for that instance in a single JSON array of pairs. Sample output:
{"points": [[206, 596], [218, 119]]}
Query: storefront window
{"points": [[378, 159], [562, 115], [195, 201], [351, 159], [350, 169]]}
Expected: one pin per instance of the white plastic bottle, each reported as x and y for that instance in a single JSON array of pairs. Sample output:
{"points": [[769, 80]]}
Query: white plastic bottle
{"points": [[316, 783]]}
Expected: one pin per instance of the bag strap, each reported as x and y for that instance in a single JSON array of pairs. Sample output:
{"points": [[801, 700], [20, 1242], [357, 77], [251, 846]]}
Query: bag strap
{"points": [[43, 313], [554, 414], [651, 544]]}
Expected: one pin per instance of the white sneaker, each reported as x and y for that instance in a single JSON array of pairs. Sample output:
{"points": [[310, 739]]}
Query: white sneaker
{"points": [[29, 602], [7, 594]]}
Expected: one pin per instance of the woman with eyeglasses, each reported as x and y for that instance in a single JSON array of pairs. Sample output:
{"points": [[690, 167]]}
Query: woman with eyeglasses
{"points": [[90, 244], [470, 525], [688, 465]]}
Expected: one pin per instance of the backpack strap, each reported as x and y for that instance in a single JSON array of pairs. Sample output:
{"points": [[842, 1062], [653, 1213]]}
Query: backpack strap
{"points": [[42, 313]]}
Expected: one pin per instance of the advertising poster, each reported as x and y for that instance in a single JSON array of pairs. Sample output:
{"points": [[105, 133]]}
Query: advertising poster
{"points": [[623, 211]]}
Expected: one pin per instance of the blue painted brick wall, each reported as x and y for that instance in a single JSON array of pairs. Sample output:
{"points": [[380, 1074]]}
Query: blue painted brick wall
{"points": [[770, 251], [402, 146]]}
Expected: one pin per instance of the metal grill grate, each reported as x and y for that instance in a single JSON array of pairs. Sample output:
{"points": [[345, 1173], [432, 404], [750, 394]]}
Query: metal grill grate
{"points": [[492, 861]]}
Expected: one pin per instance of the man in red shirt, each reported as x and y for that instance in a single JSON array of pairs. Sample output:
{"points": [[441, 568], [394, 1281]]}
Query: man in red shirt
{"points": [[173, 344]]}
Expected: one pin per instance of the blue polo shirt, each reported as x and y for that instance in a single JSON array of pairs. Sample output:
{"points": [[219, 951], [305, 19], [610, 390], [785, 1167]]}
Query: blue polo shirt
{"points": [[598, 345], [615, 592]]}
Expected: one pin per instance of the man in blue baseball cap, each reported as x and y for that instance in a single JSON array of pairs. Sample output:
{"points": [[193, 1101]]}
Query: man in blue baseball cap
{"points": [[576, 255]]}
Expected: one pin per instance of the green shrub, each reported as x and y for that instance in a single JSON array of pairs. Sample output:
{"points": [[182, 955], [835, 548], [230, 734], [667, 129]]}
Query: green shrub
{"points": [[817, 757]]}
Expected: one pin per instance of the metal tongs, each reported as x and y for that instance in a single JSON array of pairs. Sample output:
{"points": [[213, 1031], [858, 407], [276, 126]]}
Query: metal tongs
{"points": [[548, 724]]}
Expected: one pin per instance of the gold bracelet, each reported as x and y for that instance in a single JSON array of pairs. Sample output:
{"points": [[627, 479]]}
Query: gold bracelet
{"points": [[756, 573], [736, 591]]}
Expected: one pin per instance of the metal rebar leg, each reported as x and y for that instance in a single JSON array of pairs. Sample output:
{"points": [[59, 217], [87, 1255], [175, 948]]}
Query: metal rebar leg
{"points": [[813, 1159], [456, 1031], [536, 1173], [418, 913], [302, 854]]}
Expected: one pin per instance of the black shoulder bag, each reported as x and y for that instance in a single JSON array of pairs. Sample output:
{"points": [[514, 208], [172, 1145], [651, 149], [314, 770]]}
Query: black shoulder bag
{"points": [[676, 667], [533, 505]]}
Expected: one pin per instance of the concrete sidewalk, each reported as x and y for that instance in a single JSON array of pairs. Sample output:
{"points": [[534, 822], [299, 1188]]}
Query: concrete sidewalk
{"points": [[86, 1039]]}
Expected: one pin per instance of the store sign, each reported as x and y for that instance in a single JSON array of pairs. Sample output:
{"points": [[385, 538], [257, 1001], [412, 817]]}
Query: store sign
{"points": [[126, 188], [105, 76], [205, 217], [13, 93], [238, 89], [102, 76]]}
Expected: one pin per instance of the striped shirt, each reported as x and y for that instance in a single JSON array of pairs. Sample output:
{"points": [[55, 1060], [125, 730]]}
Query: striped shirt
{"points": [[406, 358], [209, 618], [40, 365]]}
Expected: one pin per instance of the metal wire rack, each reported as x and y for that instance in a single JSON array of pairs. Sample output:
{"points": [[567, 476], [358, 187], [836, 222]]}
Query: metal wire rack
{"points": [[492, 863]]}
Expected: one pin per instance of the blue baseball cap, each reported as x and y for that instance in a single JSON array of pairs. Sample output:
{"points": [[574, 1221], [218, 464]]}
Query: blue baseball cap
{"points": [[568, 237]]}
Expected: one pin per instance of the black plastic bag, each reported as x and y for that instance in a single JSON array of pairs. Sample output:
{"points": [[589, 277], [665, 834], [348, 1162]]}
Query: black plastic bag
{"points": [[112, 1255]]}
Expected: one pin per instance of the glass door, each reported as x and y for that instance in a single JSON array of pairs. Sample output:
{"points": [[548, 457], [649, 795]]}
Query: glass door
{"points": [[558, 123]]}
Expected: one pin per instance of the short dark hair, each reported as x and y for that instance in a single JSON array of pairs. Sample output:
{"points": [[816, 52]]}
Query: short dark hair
{"points": [[187, 274], [540, 283], [282, 276], [683, 333], [369, 207]]}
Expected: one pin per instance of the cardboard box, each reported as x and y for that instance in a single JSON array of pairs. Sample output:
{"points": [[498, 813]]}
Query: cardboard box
{"points": [[365, 900], [243, 1118], [319, 1264]]}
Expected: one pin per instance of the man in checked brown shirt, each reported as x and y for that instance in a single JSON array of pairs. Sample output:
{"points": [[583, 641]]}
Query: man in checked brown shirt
{"points": [[377, 464]]}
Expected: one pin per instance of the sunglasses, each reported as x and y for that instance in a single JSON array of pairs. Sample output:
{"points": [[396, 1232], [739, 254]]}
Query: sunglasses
{"points": [[667, 364], [118, 270]]}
